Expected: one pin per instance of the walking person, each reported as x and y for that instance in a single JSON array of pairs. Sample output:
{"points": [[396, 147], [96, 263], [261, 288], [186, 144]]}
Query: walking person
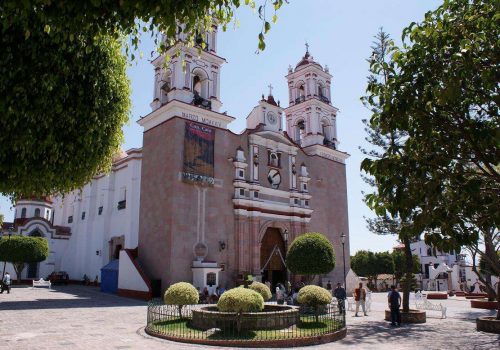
{"points": [[340, 294], [6, 281], [394, 300], [360, 298]]}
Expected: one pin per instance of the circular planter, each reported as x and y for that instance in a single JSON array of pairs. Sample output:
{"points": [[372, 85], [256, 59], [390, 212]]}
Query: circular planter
{"points": [[437, 296], [274, 343], [488, 324], [483, 304], [272, 317], [413, 316], [475, 297]]}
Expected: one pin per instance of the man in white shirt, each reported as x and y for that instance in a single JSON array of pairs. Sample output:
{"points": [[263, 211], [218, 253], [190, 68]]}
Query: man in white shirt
{"points": [[6, 283]]}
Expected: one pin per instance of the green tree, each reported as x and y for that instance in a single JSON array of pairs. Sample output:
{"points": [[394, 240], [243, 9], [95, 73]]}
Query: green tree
{"points": [[65, 104], [67, 19], [20, 250], [64, 93], [369, 264], [310, 254], [385, 264], [399, 261], [363, 263], [441, 92]]}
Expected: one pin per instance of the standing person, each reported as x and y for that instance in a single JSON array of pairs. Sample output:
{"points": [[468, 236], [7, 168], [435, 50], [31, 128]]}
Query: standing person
{"points": [[329, 286], [394, 300], [360, 298], [340, 294], [6, 283], [280, 298]]}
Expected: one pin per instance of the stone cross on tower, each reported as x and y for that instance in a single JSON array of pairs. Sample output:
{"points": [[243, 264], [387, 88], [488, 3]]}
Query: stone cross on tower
{"points": [[307, 46], [270, 89]]}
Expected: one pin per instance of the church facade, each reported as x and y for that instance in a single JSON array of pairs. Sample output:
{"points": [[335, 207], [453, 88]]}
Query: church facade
{"points": [[204, 204]]}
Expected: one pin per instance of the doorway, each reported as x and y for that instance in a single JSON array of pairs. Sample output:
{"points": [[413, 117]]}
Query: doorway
{"points": [[32, 270], [272, 255]]}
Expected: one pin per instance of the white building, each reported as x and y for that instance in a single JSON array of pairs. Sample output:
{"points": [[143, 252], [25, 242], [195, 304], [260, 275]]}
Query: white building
{"points": [[443, 271], [86, 228]]}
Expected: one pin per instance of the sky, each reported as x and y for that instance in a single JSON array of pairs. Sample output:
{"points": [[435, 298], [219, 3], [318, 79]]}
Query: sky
{"points": [[339, 34]]}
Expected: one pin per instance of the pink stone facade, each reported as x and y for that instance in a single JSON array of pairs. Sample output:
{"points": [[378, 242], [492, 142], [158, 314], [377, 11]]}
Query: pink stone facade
{"points": [[175, 215]]}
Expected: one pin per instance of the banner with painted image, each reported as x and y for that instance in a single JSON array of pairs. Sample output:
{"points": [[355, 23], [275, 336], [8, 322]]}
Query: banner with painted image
{"points": [[198, 153]]}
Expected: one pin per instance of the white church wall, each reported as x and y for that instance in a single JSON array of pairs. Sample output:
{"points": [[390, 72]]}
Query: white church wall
{"points": [[128, 276], [88, 249]]}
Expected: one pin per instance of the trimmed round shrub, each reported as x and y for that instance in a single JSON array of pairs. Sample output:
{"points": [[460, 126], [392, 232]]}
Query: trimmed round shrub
{"points": [[314, 296], [310, 254], [240, 300], [262, 289], [180, 294]]}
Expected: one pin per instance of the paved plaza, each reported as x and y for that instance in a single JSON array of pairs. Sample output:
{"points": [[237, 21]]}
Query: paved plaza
{"points": [[79, 317]]}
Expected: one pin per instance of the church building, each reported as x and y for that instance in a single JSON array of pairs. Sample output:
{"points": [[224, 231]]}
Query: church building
{"points": [[198, 202]]}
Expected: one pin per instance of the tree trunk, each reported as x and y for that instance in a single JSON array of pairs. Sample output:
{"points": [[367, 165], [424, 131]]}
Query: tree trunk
{"points": [[18, 267], [180, 311], [408, 274], [498, 301]]}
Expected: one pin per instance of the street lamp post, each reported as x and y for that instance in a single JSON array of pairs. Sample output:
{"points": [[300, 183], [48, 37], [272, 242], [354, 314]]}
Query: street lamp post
{"points": [[342, 239], [285, 235], [5, 262]]}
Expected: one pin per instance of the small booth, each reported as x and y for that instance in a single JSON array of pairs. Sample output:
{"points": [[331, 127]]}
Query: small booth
{"points": [[109, 277]]}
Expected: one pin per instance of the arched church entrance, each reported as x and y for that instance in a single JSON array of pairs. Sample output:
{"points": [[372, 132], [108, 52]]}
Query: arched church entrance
{"points": [[272, 256]]}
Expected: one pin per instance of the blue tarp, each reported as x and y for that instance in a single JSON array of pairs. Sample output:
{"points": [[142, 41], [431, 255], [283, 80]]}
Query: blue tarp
{"points": [[109, 277]]}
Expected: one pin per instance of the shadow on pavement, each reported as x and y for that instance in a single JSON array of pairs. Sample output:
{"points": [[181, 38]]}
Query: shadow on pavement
{"points": [[379, 332], [66, 297], [472, 314]]}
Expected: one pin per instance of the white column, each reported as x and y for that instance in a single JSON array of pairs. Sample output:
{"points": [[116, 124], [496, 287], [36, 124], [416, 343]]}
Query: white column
{"points": [[215, 85], [187, 80]]}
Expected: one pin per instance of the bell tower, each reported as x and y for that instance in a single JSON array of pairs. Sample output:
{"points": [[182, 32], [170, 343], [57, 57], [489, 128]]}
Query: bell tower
{"points": [[310, 116], [267, 113], [192, 75]]}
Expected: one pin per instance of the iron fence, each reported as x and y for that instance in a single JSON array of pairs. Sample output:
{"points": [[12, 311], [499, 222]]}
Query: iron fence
{"points": [[204, 322]]}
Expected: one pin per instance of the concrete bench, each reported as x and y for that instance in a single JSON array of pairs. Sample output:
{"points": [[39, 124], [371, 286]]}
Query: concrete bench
{"points": [[41, 283]]}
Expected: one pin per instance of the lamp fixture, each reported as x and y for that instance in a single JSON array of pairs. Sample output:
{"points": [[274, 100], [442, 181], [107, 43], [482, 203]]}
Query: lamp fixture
{"points": [[222, 245]]}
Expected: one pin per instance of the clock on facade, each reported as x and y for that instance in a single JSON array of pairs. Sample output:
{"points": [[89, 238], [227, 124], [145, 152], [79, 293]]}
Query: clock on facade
{"points": [[271, 117], [274, 178]]}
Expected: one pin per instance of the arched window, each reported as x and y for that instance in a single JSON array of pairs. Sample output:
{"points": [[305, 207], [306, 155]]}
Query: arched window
{"points": [[23, 212], [302, 91], [321, 91], [301, 131], [197, 84], [37, 212]]}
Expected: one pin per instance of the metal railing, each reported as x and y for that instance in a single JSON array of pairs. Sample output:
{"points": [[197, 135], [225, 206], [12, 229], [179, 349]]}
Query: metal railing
{"points": [[209, 324]]}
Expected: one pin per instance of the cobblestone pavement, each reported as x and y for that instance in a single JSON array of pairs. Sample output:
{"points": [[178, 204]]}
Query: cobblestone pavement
{"points": [[79, 317]]}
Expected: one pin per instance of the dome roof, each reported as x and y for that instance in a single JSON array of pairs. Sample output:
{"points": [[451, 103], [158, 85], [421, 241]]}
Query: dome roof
{"points": [[47, 199], [307, 59], [271, 101]]}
